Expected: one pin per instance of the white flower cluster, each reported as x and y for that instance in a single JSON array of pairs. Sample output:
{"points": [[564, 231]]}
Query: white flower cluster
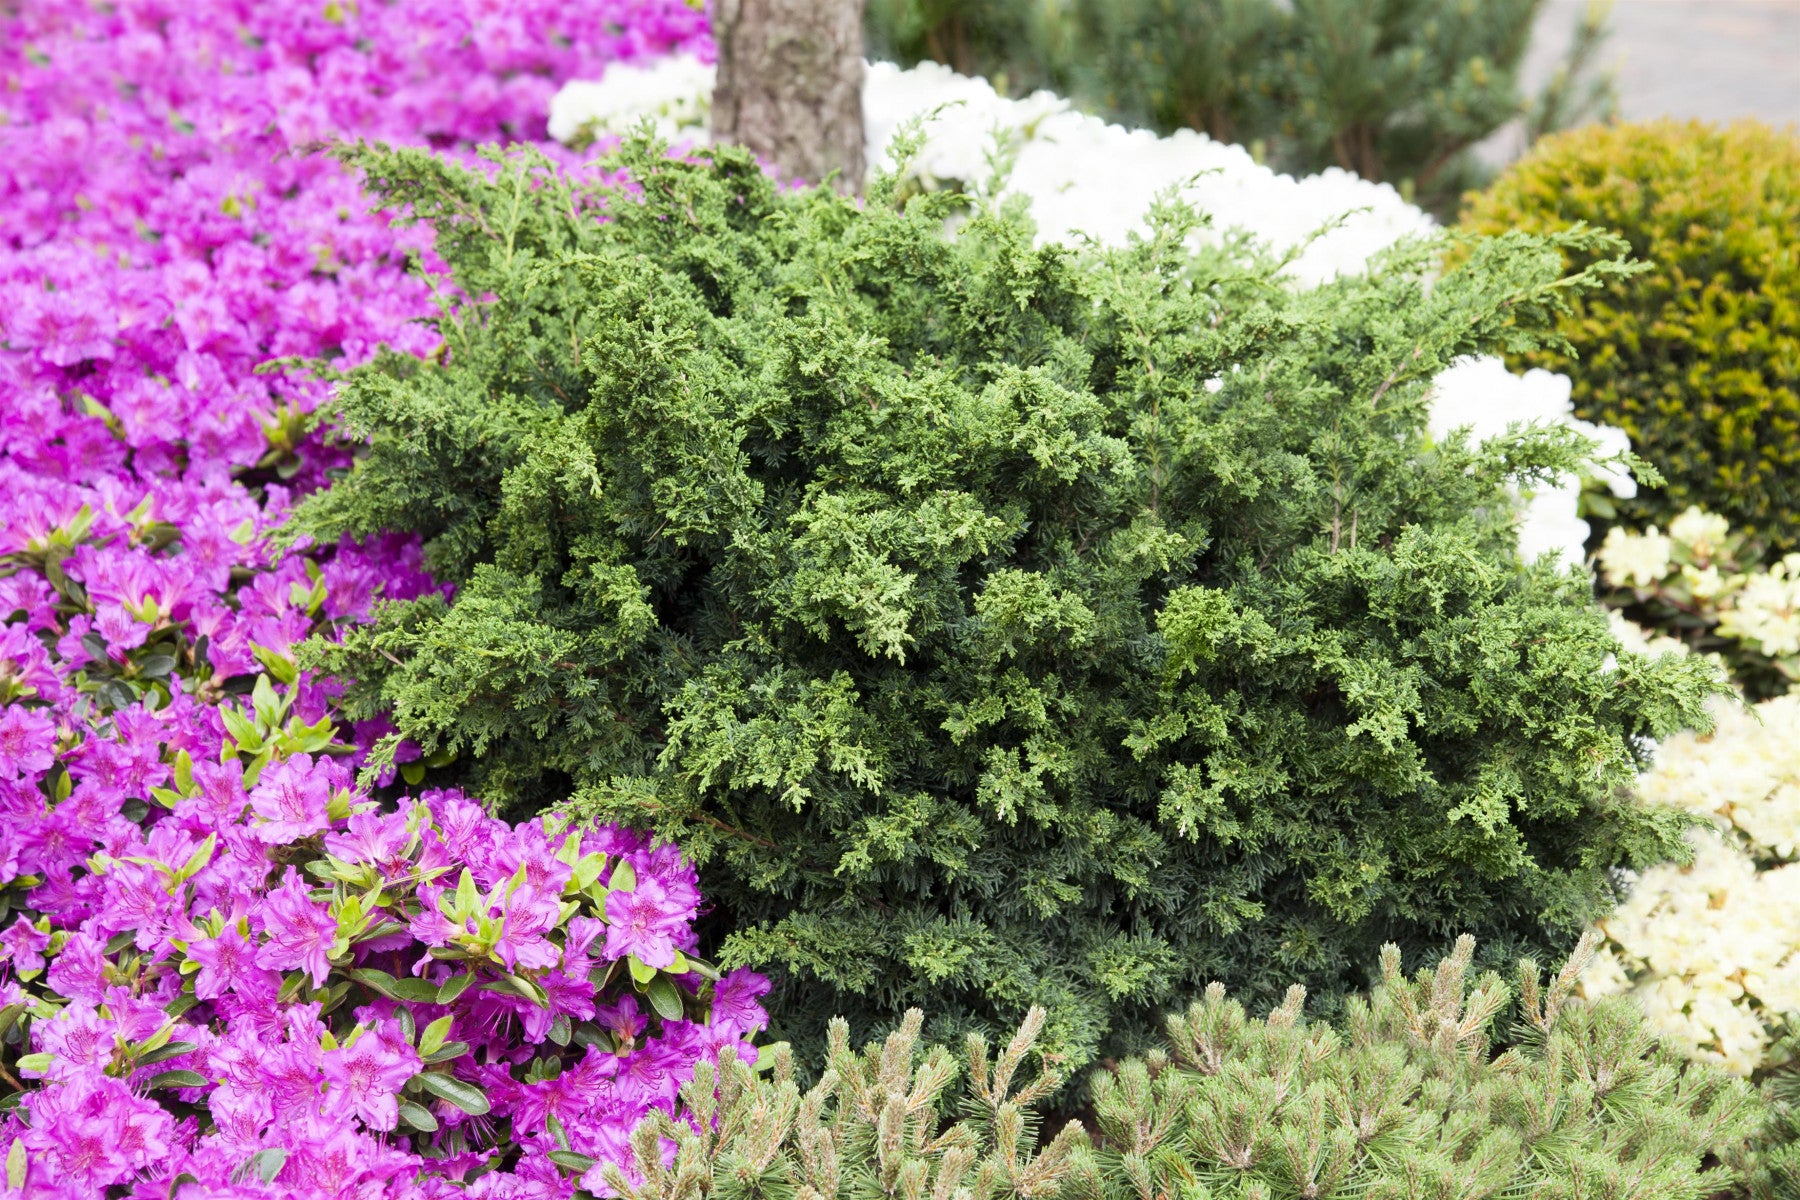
{"points": [[1483, 396], [1745, 774], [1087, 178], [1637, 640], [1083, 176], [1712, 951], [1636, 560], [674, 93], [1697, 538]]}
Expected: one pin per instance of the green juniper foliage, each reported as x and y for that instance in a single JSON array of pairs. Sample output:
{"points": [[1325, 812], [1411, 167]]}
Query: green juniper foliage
{"points": [[1409, 1103], [995, 625]]}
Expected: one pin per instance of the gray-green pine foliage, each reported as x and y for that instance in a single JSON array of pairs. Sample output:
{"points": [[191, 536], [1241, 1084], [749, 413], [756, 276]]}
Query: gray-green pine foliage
{"points": [[874, 1126], [1409, 1102], [994, 624], [1773, 1171]]}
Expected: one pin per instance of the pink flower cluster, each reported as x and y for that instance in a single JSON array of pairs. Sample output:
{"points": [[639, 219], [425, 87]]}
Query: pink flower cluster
{"points": [[224, 969], [264, 982], [167, 230]]}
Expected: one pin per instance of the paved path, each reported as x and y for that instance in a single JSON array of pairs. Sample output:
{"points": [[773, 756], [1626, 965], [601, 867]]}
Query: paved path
{"points": [[1715, 60], [1712, 59]]}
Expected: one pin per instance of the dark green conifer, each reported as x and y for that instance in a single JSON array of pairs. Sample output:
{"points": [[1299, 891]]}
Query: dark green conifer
{"points": [[995, 624]]}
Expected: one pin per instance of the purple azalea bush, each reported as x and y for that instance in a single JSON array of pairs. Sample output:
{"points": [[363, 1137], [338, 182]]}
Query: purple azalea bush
{"points": [[225, 968]]}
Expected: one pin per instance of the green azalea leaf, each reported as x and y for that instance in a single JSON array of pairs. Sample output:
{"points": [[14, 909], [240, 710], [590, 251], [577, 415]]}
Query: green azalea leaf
{"points": [[198, 860], [446, 1052], [242, 730], [419, 991], [386, 929], [461, 1093], [434, 1034], [172, 1050], [379, 981], [267, 704], [454, 988], [418, 1116], [665, 998], [178, 1079], [575, 1164], [264, 1164]]}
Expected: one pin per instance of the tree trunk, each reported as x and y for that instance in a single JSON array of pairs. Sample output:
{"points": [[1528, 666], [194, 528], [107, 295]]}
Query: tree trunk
{"points": [[790, 85]]}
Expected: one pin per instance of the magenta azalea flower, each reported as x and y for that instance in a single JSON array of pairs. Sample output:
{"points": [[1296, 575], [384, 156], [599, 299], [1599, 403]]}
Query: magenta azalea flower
{"points": [[22, 945], [365, 1078], [526, 916], [79, 972], [27, 741], [291, 798], [167, 232], [642, 925], [300, 932], [226, 962], [373, 838], [91, 1131], [734, 1007]]}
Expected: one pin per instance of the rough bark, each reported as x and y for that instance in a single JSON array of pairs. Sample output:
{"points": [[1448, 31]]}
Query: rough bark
{"points": [[790, 85]]}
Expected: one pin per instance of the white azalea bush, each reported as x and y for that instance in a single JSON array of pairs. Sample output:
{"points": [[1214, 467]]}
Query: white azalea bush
{"points": [[1090, 180], [1482, 395], [1083, 176], [1712, 950]]}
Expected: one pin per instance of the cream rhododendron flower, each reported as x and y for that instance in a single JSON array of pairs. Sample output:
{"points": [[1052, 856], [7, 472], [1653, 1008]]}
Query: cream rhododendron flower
{"points": [[1703, 533], [1767, 611], [1635, 559], [1712, 950]]}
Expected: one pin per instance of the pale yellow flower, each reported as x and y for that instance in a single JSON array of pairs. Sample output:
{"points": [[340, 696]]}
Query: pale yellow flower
{"points": [[1767, 610], [1703, 533], [1635, 559], [1705, 584]]}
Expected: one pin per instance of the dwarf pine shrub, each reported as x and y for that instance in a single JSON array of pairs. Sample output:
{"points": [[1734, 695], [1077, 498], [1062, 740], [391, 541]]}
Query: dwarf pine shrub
{"points": [[1409, 1101], [1698, 359], [994, 624], [874, 1125], [1774, 1164]]}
